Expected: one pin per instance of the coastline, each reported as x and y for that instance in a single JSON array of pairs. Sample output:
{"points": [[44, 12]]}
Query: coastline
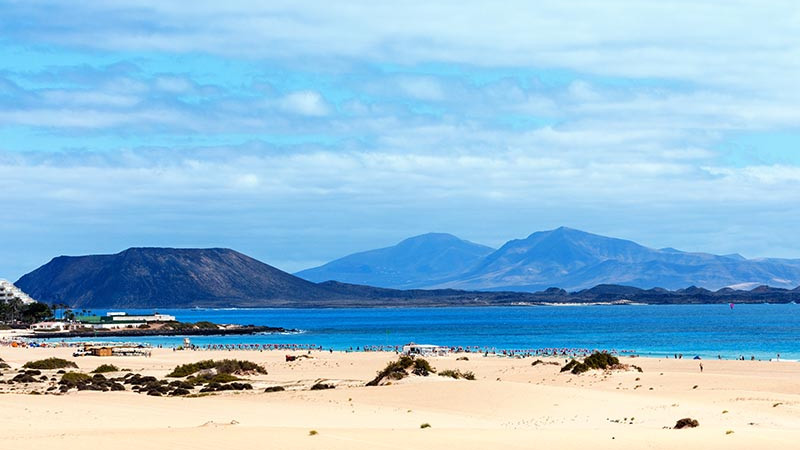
{"points": [[236, 331], [511, 404]]}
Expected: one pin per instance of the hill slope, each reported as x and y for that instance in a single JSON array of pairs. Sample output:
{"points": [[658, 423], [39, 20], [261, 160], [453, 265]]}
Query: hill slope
{"points": [[411, 263]]}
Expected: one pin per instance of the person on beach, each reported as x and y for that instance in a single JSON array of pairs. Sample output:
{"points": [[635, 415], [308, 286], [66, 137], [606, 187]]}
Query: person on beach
{"points": [[701, 367]]}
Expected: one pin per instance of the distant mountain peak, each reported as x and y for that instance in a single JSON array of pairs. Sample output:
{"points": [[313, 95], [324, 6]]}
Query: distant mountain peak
{"points": [[426, 256]]}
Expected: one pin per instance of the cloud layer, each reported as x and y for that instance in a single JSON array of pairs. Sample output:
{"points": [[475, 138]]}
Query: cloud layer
{"points": [[298, 132]]}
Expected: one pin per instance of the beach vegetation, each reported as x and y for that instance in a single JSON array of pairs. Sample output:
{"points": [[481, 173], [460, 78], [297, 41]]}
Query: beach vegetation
{"points": [[212, 378], [597, 360], [313, 433], [74, 378], [227, 366], [425, 425], [457, 374], [202, 325], [220, 387], [3, 364], [548, 363], [275, 389], [106, 368], [687, 422], [322, 386], [50, 364], [397, 370]]}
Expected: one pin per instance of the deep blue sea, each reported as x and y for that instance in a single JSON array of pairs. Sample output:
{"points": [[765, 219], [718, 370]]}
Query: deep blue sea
{"points": [[759, 330]]}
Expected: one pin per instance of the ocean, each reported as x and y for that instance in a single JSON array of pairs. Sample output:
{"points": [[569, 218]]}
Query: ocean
{"points": [[709, 331]]}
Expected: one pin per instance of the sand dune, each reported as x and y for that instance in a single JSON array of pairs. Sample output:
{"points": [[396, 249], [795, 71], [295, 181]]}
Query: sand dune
{"points": [[510, 405]]}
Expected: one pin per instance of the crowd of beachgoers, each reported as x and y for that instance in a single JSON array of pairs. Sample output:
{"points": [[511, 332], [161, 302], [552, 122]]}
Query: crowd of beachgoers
{"points": [[561, 352]]}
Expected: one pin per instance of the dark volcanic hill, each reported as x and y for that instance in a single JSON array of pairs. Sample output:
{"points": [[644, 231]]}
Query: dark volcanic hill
{"points": [[166, 277], [411, 263]]}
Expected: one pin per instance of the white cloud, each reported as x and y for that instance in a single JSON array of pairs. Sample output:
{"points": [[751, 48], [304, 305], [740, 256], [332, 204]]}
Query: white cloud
{"points": [[305, 103]]}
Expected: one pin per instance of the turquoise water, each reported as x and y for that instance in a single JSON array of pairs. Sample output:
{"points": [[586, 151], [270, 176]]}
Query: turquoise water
{"points": [[760, 330]]}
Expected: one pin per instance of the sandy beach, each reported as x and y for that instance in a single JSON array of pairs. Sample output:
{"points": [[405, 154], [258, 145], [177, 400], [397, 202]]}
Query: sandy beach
{"points": [[511, 404]]}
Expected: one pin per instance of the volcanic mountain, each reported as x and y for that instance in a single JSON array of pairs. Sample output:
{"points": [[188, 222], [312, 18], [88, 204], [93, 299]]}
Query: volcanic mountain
{"points": [[166, 277]]}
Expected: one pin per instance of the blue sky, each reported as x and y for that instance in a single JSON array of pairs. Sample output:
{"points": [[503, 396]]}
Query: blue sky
{"points": [[297, 132]]}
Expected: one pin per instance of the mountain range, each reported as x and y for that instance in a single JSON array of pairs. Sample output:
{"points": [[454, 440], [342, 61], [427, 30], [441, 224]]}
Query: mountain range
{"points": [[568, 258], [185, 278], [216, 277]]}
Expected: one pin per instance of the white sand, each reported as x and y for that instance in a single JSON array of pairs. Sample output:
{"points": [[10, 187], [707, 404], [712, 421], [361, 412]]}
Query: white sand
{"points": [[510, 405]]}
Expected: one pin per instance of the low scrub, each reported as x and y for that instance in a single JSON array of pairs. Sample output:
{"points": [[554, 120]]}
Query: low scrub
{"points": [[547, 363], [217, 378], [322, 386], [686, 423], [3, 364], [397, 370], [71, 378], [202, 325], [275, 389], [106, 368], [49, 364], [227, 366], [457, 374], [596, 360]]}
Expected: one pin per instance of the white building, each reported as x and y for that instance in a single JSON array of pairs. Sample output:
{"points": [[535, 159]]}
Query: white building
{"points": [[155, 317], [9, 292], [425, 350]]}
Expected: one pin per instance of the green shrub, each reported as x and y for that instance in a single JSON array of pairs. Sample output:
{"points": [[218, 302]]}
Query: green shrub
{"points": [[425, 425], [322, 386], [218, 378], [397, 370], [457, 374], [600, 360], [238, 367], [185, 370], [106, 368], [3, 364], [50, 363], [597, 360], [228, 366], [275, 389], [75, 378], [313, 433]]}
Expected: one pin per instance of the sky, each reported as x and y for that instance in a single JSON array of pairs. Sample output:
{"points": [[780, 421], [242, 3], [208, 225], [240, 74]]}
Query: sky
{"points": [[301, 131]]}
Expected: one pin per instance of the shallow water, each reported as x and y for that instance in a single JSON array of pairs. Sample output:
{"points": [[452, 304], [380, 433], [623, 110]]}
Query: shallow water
{"points": [[760, 330]]}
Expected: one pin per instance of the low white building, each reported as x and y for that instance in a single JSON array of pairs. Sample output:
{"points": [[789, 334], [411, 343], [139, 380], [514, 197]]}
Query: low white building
{"points": [[155, 317], [425, 350], [52, 325], [9, 292]]}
